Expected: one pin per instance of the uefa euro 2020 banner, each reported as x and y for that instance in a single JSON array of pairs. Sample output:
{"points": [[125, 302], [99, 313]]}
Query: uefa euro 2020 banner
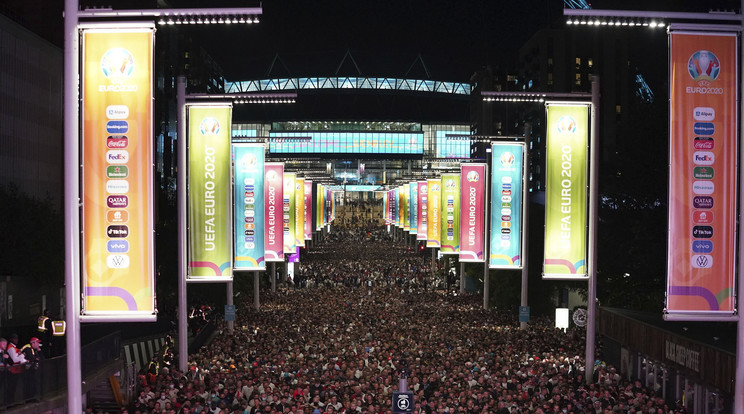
{"points": [[300, 212], [507, 171], [308, 210], [413, 197], [434, 186], [248, 170], [565, 191], [701, 256], [273, 216], [117, 175], [288, 213], [422, 207], [319, 195], [450, 214], [473, 213], [210, 184]]}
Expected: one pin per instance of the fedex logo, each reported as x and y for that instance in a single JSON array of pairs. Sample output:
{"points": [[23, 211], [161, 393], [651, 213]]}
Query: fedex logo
{"points": [[117, 156], [703, 158]]}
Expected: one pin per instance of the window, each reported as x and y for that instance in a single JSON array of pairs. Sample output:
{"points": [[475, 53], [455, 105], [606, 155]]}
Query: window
{"points": [[590, 62], [618, 109], [578, 79]]}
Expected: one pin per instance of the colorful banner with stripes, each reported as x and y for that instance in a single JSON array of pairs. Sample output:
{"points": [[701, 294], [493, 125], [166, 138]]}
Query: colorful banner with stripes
{"points": [[701, 257], [300, 212], [566, 191], [288, 213], [507, 171], [248, 170], [117, 175], [434, 212], [450, 209], [422, 210], [273, 216], [210, 186]]}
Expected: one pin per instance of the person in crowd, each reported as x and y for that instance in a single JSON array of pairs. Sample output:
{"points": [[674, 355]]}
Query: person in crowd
{"points": [[331, 347], [34, 356]]}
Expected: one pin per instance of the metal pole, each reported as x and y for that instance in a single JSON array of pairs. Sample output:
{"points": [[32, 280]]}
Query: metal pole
{"points": [[183, 334], [72, 209], [462, 277], [486, 286], [273, 277], [524, 301], [229, 289], [591, 305], [255, 290], [739, 373]]}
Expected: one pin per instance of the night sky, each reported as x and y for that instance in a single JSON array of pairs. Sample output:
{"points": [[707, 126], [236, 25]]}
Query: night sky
{"points": [[385, 37]]}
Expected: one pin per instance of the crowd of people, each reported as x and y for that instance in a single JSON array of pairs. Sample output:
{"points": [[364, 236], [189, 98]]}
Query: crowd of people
{"points": [[342, 345]]}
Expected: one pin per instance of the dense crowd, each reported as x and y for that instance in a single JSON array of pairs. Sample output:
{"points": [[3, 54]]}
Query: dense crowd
{"points": [[342, 345]]}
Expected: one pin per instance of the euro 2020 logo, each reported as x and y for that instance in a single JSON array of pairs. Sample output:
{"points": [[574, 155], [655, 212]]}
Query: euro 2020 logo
{"points": [[272, 176], [209, 126], [473, 177], [117, 63], [704, 66], [249, 162], [449, 184], [506, 159], [566, 124]]}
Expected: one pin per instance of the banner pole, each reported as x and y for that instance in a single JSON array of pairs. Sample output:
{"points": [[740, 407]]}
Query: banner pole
{"points": [[462, 277], [273, 277], [183, 336], [72, 206], [229, 291], [524, 299], [591, 305], [255, 290], [739, 373]]}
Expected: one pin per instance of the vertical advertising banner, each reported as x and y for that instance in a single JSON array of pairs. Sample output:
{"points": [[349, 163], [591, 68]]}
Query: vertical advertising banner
{"points": [[248, 170], [300, 212], [434, 217], [321, 206], [473, 214], [450, 214], [117, 175], [210, 185], [413, 197], [406, 191], [392, 204], [565, 191], [273, 215], [398, 207], [308, 233], [288, 213], [329, 206], [507, 172], [423, 208], [701, 257]]}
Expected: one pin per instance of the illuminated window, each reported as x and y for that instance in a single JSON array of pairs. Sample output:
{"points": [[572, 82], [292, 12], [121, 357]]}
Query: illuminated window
{"points": [[578, 63], [578, 79], [590, 62], [618, 109]]}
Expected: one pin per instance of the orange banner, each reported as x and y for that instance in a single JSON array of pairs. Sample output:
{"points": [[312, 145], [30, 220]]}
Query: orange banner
{"points": [[117, 186], [702, 175]]}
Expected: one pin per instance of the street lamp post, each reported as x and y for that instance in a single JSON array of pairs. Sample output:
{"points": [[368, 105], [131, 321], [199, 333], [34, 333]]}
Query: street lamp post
{"points": [[732, 22], [72, 201]]}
